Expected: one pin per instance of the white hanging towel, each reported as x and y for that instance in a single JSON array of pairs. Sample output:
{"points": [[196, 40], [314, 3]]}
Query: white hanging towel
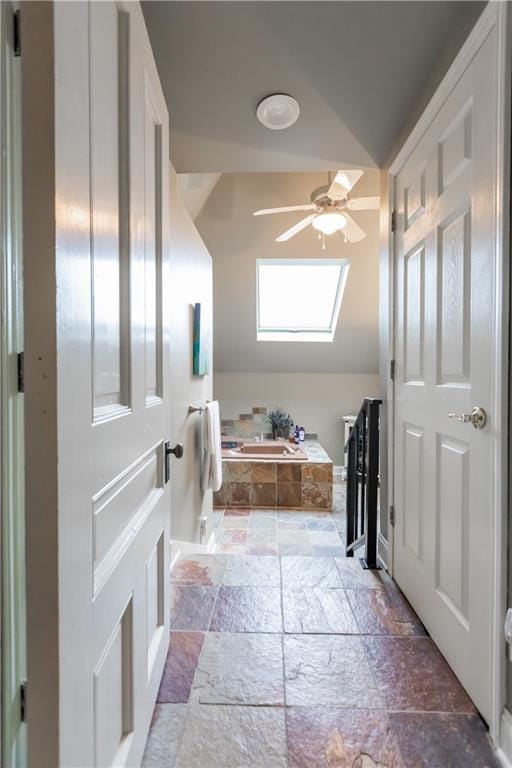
{"points": [[212, 449]]}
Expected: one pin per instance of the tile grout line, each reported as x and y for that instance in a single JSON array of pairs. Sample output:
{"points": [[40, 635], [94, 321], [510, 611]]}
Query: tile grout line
{"points": [[284, 663], [189, 702]]}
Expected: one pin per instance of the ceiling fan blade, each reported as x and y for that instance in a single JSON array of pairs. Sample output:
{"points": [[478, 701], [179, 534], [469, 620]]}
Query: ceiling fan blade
{"points": [[295, 229], [351, 230], [364, 203], [343, 183], [265, 211]]}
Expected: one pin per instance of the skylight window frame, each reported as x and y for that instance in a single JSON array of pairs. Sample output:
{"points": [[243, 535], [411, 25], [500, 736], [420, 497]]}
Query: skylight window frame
{"points": [[302, 334]]}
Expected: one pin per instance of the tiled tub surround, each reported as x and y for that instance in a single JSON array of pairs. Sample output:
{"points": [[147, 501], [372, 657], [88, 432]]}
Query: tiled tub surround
{"points": [[303, 661], [249, 426], [285, 484]]}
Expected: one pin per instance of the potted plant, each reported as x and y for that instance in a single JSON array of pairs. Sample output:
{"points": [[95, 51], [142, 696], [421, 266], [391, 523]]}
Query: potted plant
{"points": [[280, 422]]}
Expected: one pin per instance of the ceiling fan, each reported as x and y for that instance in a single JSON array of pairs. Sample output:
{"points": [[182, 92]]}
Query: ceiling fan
{"points": [[330, 205]]}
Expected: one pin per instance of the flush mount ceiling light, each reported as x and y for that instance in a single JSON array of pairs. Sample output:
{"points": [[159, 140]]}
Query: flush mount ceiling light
{"points": [[329, 223], [278, 111]]}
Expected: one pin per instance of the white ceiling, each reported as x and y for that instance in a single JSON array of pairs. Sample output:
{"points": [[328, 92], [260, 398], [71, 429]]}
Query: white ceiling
{"points": [[358, 69]]}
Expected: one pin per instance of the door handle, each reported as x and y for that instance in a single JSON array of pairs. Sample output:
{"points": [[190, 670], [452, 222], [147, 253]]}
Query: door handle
{"points": [[477, 417], [178, 453]]}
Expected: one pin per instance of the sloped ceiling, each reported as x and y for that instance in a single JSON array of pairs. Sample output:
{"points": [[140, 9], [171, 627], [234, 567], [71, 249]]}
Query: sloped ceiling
{"points": [[195, 189], [357, 69]]}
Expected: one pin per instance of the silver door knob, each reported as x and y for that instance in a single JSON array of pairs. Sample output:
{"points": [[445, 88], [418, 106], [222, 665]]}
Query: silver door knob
{"points": [[508, 627], [477, 417]]}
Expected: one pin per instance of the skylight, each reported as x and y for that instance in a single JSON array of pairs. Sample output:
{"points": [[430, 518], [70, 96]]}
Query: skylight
{"points": [[299, 299]]}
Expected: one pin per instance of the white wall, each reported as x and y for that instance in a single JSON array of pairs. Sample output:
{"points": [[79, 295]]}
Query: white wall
{"points": [[316, 401], [191, 282]]}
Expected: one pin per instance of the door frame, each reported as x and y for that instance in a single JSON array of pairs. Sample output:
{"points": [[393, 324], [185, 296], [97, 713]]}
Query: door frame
{"points": [[13, 590], [494, 16]]}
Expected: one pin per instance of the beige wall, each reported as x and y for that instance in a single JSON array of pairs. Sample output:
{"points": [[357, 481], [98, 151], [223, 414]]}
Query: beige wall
{"points": [[191, 281], [316, 401]]}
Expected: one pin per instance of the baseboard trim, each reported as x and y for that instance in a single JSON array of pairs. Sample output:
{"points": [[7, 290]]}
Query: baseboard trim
{"points": [[179, 548], [382, 551], [174, 557], [504, 751]]}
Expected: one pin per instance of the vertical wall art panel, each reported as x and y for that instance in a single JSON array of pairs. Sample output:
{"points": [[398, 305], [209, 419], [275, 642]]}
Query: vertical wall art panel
{"points": [[200, 343]]}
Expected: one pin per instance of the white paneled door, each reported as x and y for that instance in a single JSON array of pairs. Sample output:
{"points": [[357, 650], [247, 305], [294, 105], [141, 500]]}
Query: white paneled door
{"points": [[446, 263], [113, 402]]}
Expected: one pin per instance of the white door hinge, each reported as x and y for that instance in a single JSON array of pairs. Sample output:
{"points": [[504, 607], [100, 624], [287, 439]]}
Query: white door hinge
{"points": [[392, 369], [392, 516], [393, 221]]}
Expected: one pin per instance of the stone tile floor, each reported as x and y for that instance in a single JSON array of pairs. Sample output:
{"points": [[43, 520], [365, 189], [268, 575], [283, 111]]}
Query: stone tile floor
{"points": [[285, 653]]}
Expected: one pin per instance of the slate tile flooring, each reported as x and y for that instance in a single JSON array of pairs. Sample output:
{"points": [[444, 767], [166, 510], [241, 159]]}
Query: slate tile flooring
{"points": [[286, 654]]}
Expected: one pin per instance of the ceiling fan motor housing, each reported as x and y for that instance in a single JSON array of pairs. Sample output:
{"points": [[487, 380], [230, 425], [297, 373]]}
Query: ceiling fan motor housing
{"points": [[320, 197]]}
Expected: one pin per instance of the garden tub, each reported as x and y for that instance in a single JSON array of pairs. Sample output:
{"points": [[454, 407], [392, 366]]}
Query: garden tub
{"points": [[275, 474]]}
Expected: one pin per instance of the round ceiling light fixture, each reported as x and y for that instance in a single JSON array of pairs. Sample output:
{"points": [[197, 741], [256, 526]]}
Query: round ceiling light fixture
{"points": [[329, 223], [278, 111]]}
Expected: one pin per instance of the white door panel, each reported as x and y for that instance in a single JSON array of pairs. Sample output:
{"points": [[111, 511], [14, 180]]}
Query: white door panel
{"points": [[110, 263], [114, 404], [445, 291]]}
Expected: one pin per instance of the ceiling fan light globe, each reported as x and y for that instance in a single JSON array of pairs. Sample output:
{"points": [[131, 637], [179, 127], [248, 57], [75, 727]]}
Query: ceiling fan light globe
{"points": [[329, 223]]}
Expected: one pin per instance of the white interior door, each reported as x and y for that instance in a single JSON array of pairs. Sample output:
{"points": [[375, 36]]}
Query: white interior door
{"points": [[446, 355], [113, 402]]}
